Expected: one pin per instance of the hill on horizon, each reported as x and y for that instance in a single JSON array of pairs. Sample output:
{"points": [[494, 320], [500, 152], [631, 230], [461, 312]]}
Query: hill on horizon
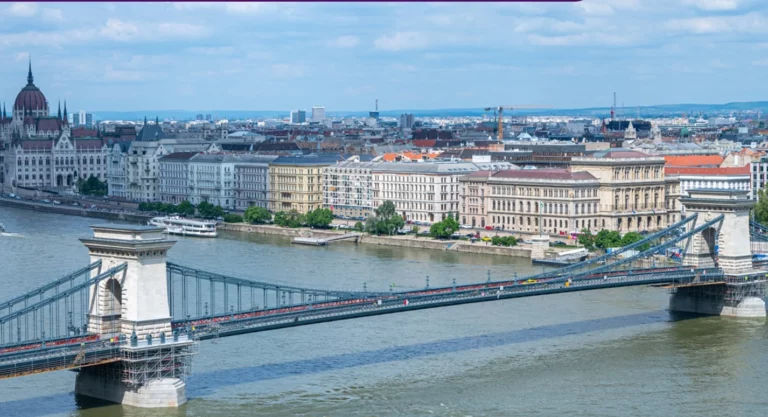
{"points": [[645, 111]]}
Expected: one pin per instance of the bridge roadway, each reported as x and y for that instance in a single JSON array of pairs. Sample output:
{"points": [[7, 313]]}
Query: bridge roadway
{"points": [[89, 350]]}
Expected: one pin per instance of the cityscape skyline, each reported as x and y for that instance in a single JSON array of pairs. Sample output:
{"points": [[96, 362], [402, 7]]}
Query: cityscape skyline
{"points": [[265, 56]]}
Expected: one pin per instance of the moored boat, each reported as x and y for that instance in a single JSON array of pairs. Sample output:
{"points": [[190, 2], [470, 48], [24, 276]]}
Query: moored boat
{"points": [[180, 226]]}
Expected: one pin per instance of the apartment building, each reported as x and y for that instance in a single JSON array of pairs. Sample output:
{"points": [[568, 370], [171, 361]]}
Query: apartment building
{"points": [[211, 178], [296, 182], [348, 188], [174, 176], [424, 192], [252, 180]]}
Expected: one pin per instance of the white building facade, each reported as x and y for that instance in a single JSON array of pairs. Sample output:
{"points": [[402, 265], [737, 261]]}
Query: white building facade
{"points": [[252, 180], [348, 188]]}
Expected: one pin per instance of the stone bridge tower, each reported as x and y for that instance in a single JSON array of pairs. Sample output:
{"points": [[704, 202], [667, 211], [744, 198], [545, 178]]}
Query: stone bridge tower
{"points": [[138, 301], [727, 247], [153, 364]]}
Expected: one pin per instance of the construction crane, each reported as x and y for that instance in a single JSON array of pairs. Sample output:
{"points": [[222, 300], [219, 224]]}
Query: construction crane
{"points": [[499, 113]]}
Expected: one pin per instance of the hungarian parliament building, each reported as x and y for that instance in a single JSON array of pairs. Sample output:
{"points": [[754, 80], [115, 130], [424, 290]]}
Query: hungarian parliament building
{"points": [[39, 150]]}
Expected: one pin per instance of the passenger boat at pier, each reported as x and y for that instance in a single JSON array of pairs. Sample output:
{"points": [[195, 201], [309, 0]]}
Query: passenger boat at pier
{"points": [[179, 226]]}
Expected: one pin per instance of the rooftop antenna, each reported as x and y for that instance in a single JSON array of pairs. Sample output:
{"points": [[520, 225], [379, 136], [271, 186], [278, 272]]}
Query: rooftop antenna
{"points": [[377, 104], [613, 108]]}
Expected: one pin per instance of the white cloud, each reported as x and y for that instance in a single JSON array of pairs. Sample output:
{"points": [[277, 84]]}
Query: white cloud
{"points": [[112, 74], [288, 70], [233, 8], [752, 23], [592, 38], [713, 5], [761, 62], [404, 67], [125, 31], [344, 42], [400, 41], [52, 15], [23, 9], [212, 50]]}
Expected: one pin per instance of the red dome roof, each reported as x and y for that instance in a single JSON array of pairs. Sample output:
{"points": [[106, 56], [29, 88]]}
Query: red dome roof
{"points": [[30, 98]]}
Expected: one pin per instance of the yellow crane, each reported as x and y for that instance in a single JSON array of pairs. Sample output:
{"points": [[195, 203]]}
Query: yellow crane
{"points": [[499, 113]]}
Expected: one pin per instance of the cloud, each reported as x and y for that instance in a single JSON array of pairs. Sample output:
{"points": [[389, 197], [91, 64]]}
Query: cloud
{"points": [[124, 31], [401, 41], [112, 74], [713, 5], [344, 42], [761, 62], [212, 50], [404, 67], [23, 9], [288, 70], [53, 15], [751, 23], [580, 39], [232, 8]]}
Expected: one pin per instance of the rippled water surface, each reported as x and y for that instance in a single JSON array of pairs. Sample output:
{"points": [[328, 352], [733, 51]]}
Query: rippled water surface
{"points": [[601, 353]]}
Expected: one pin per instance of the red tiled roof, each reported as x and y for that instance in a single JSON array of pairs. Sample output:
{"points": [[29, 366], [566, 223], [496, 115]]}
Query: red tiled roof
{"points": [[692, 160], [36, 144], [706, 171], [549, 174], [48, 124], [81, 132], [424, 143]]}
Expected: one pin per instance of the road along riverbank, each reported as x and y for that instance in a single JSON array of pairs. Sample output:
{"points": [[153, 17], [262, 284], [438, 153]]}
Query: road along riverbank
{"points": [[75, 210], [400, 241]]}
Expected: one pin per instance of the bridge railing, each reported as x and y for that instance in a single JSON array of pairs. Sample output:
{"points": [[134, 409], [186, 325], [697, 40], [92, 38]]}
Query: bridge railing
{"points": [[62, 314], [195, 293], [674, 230]]}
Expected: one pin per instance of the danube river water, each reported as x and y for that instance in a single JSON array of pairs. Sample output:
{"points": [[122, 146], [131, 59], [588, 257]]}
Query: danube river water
{"points": [[601, 353]]}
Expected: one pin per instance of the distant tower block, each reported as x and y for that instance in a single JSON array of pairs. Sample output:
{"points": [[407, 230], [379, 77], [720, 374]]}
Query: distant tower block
{"points": [[138, 301]]}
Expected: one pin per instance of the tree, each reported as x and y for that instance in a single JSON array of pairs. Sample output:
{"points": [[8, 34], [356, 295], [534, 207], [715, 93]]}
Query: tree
{"points": [[760, 209], [233, 218], [185, 208], [445, 228], [359, 227], [416, 230], [607, 239], [256, 214], [319, 218], [632, 237], [291, 218], [587, 239], [386, 221], [209, 211], [92, 186]]}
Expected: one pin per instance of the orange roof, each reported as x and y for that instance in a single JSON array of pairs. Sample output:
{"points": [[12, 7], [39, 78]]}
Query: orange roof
{"points": [[413, 156], [693, 160], [706, 171]]}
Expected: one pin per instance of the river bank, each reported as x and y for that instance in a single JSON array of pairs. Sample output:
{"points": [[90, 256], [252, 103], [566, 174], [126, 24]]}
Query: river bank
{"points": [[74, 210], [399, 241]]}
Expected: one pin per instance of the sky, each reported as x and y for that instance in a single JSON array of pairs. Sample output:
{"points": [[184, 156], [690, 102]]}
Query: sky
{"points": [[282, 56]]}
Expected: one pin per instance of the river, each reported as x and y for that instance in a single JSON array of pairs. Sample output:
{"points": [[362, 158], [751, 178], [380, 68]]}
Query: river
{"points": [[611, 352]]}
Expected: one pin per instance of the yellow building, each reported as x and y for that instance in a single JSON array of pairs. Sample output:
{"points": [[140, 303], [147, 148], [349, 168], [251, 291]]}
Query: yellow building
{"points": [[296, 183], [633, 192]]}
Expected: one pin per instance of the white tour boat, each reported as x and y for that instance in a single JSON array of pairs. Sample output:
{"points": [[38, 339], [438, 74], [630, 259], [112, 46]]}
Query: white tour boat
{"points": [[185, 227]]}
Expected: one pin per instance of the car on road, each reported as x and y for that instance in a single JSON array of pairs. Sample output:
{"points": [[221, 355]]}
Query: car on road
{"points": [[465, 226], [557, 243], [486, 239]]}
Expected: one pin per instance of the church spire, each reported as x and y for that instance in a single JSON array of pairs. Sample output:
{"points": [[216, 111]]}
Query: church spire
{"points": [[145, 120], [66, 119], [157, 121], [59, 109], [30, 78]]}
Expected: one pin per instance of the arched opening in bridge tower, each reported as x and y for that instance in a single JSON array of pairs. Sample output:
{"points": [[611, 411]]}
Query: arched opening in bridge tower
{"points": [[709, 240], [112, 304]]}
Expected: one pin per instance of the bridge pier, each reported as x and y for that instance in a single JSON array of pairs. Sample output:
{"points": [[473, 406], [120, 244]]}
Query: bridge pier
{"points": [[135, 308], [741, 294]]}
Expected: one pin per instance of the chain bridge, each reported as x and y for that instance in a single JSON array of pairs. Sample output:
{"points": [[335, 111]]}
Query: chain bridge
{"points": [[129, 322]]}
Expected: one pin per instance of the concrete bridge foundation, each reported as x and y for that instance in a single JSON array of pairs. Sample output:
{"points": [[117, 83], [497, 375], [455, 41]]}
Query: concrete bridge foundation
{"points": [[158, 393]]}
